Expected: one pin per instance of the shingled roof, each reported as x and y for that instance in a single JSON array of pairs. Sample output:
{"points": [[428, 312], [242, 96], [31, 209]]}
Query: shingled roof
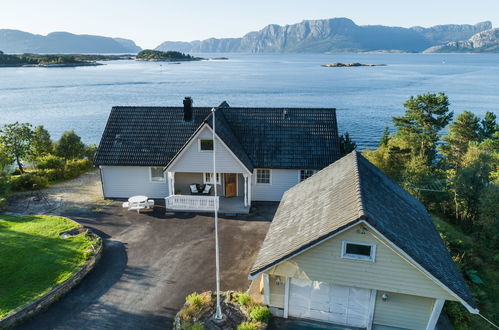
{"points": [[343, 194], [291, 138]]}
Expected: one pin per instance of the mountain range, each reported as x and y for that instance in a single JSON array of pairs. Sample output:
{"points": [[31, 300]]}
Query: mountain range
{"points": [[18, 42], [333, 35], [483, 42]]}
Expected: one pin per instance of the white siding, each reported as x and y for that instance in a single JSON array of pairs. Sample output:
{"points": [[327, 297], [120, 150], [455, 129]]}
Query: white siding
{"points": [[280, 181], [193, 160], [126, 181]]}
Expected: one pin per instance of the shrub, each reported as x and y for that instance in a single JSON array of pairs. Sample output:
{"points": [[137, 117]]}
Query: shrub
{"points": [[194, 299], [261, 313], [4, 184], [243, 299], [247, 326], [26, 181], [74, 168], [3, 203], [196, 326], [52, 174], [50, 162]]}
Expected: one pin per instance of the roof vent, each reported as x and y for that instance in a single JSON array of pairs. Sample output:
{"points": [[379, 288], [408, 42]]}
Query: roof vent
{"points": [[188, 108]]}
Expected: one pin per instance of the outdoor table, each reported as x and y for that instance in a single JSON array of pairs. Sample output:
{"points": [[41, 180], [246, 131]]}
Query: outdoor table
{"points": [[137, 199]]}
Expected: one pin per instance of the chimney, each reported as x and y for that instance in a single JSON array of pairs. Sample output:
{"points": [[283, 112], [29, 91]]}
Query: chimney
{"points": [[187, 108]]}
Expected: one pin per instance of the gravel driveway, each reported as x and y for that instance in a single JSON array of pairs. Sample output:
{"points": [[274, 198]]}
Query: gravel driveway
{"points": [[151, 261]]}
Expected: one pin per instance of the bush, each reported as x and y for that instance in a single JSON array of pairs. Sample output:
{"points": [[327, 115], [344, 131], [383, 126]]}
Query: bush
{"points": [[50, 162], [4, 184], [74, 168], [194, 299], [196, 326], [26, 181], [247, 326], [3, 203], [261, 314], [243, 299], [51, 174]]}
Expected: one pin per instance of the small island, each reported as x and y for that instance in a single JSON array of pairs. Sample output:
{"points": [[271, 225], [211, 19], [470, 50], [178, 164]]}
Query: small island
{"points": [[348, 65], [169, 56], [56, 60]]}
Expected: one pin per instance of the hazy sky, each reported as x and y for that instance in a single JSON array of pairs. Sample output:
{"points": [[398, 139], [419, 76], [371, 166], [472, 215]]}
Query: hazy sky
{"points": [[149, 22]]}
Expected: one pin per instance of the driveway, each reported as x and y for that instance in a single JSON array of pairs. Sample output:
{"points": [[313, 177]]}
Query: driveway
{"points": [[151, 261]]}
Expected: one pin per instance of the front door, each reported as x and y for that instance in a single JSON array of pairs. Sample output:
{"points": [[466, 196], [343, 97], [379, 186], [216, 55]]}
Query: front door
{"points": [[230, 184]]}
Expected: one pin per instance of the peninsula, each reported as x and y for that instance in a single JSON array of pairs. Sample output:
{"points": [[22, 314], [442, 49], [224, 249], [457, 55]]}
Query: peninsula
{"points": [[348, 65], [56, 60]]}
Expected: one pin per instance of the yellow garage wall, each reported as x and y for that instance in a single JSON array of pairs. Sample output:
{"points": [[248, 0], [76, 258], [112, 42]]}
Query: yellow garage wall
{"points": [[276, 292], [403, 311], [391, 271]]}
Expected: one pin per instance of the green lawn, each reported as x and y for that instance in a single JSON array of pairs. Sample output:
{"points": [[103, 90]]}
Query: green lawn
{"points": [[34, 259]]}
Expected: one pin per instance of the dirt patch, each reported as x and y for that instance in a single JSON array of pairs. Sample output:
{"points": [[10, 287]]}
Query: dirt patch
{"points": [[84, 192]]}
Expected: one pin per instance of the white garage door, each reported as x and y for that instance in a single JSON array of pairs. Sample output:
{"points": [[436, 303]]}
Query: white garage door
{"points": [[330, 303]]}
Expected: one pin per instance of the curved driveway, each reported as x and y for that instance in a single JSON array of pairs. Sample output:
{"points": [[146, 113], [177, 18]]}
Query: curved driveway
{"points": [[150, 263]]}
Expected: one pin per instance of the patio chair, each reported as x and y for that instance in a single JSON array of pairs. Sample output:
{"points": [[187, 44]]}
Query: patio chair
{"points": [[207, 189], [194, 189]]}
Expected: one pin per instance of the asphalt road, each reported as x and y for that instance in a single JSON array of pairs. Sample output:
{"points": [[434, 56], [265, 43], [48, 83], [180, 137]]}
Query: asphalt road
{"points": [[150, 263]]}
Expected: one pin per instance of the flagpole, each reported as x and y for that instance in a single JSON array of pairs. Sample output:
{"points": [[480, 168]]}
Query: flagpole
{"points": [[218, 314]]}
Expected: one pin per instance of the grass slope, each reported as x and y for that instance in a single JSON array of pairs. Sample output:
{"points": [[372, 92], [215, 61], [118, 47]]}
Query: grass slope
{"points": [[34, 259]]}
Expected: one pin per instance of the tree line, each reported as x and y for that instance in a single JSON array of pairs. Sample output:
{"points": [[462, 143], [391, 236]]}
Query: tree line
{"points": [[456, 176]]}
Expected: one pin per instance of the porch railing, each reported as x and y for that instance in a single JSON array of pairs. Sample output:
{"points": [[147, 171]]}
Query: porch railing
{"points": [[195, 203]]}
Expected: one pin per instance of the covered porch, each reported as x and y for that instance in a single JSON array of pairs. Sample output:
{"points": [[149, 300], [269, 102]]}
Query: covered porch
{"points": [[233, 192]]}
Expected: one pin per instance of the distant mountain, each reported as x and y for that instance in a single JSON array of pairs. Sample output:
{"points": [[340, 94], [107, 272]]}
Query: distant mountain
{"points": [[15, 41], [331, 35], [483, 42]]}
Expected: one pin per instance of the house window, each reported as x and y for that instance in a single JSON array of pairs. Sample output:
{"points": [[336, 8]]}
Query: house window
{"points": [[305, 174], [358, 251], [157, 174], [263, 176], [208, 178], [206, 145]]}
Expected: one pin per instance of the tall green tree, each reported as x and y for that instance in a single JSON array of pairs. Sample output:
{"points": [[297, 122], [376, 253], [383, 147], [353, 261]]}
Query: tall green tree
{"points": [[16, 139], [464, 129], [41, 144], [347, 145], [70, 146], [425, 116], [488, 126]]}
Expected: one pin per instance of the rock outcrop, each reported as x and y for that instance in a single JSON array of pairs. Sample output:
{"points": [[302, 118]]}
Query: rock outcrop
{"points": [[483, 42], [331, 35]]}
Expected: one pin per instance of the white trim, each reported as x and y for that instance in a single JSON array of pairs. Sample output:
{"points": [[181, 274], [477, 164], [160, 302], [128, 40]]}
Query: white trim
{"points": [[250, 183], [372, 306], [395, 247], [270, 176], [423, 270], [266, 289], [286, 297], [199, 145], [435, 314], [156, 181], [194, 138], [219, 181], [345, 255]]}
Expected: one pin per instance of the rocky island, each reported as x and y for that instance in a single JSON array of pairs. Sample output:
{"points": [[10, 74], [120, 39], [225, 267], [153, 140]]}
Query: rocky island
{"points": [[348, 65], [56, 60], [169, 56]]}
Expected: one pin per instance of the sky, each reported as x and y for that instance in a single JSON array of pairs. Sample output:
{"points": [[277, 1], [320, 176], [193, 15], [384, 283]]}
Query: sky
{"points": [[150, 22]]}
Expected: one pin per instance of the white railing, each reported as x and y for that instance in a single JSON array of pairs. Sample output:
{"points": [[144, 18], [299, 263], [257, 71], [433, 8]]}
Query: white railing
{"points": [[195, 203]]}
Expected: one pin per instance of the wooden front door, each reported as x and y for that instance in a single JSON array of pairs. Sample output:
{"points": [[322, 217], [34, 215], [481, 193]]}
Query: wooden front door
{"points": [[230, 184]]}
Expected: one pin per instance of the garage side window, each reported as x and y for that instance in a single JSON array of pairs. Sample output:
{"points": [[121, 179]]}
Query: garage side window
{"points": [[157, 174], [263, 176], [358, 251]]}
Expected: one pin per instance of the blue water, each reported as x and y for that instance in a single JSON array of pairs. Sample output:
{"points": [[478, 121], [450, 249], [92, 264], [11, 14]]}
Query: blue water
{"points": [[365, 97]]}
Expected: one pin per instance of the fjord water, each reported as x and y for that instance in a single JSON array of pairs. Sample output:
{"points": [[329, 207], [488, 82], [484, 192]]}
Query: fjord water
{"points": [[365, 97]]}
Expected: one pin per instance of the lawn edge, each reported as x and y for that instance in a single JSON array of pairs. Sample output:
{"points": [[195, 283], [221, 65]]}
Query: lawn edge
{"points": [[57, 292]]}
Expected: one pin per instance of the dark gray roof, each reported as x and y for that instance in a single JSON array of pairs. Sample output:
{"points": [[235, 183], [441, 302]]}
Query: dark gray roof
{"points": [[347, 191], [294, 138]]}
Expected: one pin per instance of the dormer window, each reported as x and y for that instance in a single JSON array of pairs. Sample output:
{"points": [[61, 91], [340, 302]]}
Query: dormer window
{"points": [[205, 145], [358, 251]]}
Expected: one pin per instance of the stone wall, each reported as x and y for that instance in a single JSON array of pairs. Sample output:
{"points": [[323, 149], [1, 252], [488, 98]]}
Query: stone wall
{"points": [[54, 294]]}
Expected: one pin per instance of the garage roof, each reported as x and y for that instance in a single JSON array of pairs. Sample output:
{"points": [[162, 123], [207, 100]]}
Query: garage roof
{"points": [[347, 192]]}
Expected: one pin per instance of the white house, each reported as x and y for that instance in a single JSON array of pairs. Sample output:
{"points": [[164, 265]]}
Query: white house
{"points": [[350, 247], [261, 152]]}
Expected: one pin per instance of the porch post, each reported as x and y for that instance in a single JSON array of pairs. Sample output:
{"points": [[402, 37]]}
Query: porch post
{"points": [[173, 183], [249, 190], [245, 189], [435, 313]]}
